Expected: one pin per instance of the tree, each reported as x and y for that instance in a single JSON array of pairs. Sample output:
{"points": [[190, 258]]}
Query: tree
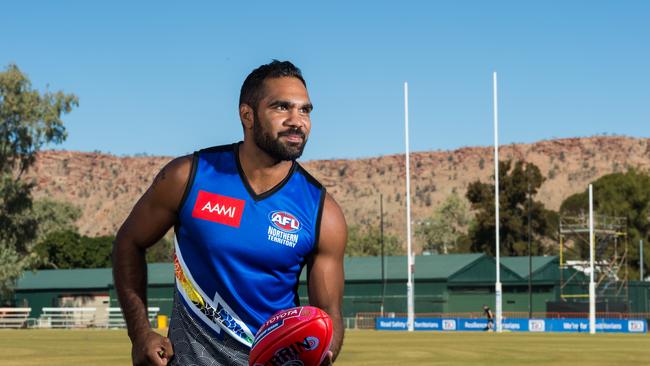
{"points": [[28, 121], [368, 243], [16, 228], [162, 251], [442, 231], [67, 249], [515, 184], [98, 251], [620, 194], [61, 250], [53, 216]]}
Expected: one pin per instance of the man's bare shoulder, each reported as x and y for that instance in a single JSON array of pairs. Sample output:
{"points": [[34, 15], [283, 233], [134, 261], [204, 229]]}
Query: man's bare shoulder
{"points": [[333, 225], [332, 207], [170, 183], [175, 173], [156, 211]]}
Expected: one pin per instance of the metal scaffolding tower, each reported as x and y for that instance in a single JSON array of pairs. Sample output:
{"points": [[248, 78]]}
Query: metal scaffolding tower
{"points": [[610, 266]]}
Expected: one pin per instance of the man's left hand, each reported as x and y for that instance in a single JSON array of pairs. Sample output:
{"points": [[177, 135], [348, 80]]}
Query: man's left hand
{"points": [[328, 359]]}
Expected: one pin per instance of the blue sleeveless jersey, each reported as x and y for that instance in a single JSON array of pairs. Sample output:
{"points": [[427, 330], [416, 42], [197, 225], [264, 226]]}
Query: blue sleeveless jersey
{"points": [[238, 254]]}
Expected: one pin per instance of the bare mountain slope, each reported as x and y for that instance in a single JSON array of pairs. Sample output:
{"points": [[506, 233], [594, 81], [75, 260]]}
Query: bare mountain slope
{"points": [[106, 186]]}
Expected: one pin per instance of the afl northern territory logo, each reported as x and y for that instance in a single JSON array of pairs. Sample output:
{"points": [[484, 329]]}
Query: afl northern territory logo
{"points": [[284, 221]]}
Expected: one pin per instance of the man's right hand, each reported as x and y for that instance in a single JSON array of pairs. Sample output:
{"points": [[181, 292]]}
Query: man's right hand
{"points": [[152, 216], [151, 349]]}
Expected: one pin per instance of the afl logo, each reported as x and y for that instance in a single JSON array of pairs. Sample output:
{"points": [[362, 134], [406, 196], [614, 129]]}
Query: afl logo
{"points": [[312, 342], [284, 221]]}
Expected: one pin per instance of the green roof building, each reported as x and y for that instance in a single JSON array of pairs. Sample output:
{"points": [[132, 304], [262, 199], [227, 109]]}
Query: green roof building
{"points": [[87, 287], [451, 283]]}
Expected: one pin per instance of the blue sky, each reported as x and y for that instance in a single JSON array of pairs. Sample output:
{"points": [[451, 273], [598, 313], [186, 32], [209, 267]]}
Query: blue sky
{"points": [[164, 77]]}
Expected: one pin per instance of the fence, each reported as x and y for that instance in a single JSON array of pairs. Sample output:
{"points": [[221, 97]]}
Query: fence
{"points": [[116, 319], [14, 317], [67, 318], [86, 318], [367, 320]]}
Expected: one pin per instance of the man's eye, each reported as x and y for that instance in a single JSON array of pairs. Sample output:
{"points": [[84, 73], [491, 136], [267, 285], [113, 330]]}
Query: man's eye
{"points": [[282, 107], [305, 110]]}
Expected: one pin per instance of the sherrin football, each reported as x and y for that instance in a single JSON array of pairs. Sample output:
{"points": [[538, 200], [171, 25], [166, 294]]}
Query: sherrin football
{"points": [[299, 336]]}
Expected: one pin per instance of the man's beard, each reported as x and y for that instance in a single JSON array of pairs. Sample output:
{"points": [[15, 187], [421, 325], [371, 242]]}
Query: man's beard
{"points": [[275, 148]]}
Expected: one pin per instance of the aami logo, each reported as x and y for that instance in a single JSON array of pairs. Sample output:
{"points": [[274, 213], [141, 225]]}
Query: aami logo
{"points": [[284, 221], [217, 208]]}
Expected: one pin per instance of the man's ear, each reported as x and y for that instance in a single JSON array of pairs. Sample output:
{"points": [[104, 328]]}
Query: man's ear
{"points": [[247, 116]]}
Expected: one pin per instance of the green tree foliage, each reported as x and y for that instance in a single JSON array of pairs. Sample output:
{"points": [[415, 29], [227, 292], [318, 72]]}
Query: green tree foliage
{"points": [[514, 184], [98, 251], [61, 249], [162, 251], [442, 232], [67, 249], [620, 194], [53, 216], [28, 121], [368, 243]]}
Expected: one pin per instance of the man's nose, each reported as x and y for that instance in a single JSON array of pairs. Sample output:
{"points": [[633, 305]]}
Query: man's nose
{"points": [[295, 119]]}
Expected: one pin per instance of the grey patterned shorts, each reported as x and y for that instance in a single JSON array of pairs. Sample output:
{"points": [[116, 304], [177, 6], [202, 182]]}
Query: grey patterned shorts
{"points": [[196, 345]]}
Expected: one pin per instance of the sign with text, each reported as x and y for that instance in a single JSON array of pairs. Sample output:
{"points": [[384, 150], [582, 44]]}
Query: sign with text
{"points": [[516, 325]]}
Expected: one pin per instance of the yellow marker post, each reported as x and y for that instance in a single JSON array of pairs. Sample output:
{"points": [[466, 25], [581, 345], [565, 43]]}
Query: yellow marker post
{"points": [[162, 322]]}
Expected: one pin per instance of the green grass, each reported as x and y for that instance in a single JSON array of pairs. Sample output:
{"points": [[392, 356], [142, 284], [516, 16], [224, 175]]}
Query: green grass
{"points": [[434, 348], [45, 347], [112, 347]]}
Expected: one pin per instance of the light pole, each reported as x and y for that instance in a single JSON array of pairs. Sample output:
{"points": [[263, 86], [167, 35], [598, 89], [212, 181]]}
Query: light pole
{"points": [[530, 256], [383, 260]]}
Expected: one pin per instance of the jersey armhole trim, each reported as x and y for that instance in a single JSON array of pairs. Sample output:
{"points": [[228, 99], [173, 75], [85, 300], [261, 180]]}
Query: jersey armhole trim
{"points": [[190, 183], [321, 204], [296, 297], [323, 193], [310, 178]]}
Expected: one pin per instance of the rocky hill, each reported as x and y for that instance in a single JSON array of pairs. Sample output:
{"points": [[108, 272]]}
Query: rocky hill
{"points": [[106, 186]]}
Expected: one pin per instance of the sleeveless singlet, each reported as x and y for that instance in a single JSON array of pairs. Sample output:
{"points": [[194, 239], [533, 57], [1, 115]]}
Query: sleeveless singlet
{"points": [[238, 255]]}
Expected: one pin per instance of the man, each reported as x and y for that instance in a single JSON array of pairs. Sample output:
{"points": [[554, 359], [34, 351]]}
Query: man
{"points": [[490, 318], [247, 218]]}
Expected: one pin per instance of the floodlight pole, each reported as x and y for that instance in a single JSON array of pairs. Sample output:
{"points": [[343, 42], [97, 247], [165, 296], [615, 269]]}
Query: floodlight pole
{"points": [[530, 254], [410, 269], [383, 260], [641, 260], [497, 285], [592, 285]]}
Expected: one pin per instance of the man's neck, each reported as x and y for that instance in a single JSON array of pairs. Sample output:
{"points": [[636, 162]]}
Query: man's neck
{"points": [[261, 170]]}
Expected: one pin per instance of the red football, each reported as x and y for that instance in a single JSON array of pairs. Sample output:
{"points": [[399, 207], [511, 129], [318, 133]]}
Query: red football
{"points": [[293, 337]]}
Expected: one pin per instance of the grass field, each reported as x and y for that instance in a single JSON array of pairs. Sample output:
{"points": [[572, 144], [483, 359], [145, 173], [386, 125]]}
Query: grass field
{"points": [[111, 347]]}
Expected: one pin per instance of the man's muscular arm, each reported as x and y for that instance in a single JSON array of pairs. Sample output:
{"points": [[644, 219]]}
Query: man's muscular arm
{"points": [[325, 272], [152, 216]]}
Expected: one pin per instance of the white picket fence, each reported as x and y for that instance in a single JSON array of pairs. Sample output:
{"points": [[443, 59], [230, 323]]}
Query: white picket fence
{"points": [[14, 317], [67, 318], [116, 320], [78, 317]]}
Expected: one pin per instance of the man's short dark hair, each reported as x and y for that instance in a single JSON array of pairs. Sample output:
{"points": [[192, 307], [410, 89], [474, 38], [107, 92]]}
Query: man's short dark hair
{"points": [[253, 87]]}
